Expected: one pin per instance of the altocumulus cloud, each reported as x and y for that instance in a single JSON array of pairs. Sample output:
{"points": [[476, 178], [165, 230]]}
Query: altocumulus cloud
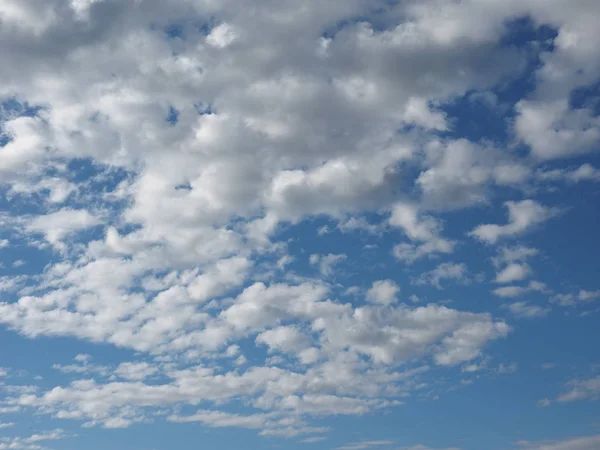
{"points": [[214, 215]]}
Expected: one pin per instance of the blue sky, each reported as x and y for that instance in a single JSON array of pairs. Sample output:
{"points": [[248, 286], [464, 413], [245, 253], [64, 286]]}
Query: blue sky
{"points": [[341, 225]]}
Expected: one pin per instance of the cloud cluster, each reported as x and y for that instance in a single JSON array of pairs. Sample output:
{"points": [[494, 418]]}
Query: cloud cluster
{"points": [[156, 153]]}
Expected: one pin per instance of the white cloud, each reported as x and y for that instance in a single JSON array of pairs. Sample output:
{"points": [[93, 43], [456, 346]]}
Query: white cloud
{"points": [[553, 130], [513, 272], [575, 443], [286, 339], [581, 390], [55, 226], [521, 216], [424, 447], [460, 173], [384, 292], [276, 126], [135, 371], [457, 272], [222, 36], [526, 311], [585, 172], [326, 263], [517, 291], [312, 440], [572, 299], [424, 230], [365, 445], [51, 436]]}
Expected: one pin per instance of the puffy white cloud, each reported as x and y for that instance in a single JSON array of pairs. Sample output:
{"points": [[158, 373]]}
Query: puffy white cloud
{"points": [[513, 272], [286, 339], [457, 272], [424, 230], [55, 226], [553, 130], [383, 292], [517, 291], [275, 124], [135, 371], [460, 172], [521, 216]]}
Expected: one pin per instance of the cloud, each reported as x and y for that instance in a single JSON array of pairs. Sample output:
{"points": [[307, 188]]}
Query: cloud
{"points": [[312, 440], [575, 443], [365, 445], [581, 390], [457, 272], [514, 254], [51, 436], [517, 291], [553, 130], [326, 263], [177, 153], [513, 272], [460, 174], [572, 299], [135, 371], [424, 230], [585, 172], [58, 225], [521, 216], [383, 292], [526, 311]]}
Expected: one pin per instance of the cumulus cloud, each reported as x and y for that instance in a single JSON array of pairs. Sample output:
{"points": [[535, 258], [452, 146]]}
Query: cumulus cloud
{"points": [[172, 155], [521, 216], [383, 292], [55, 226], [423, 231], [513, 272], [457, 272]]}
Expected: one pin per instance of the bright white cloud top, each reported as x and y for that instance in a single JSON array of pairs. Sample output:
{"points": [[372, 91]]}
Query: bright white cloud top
{"points": [[351, 224]]}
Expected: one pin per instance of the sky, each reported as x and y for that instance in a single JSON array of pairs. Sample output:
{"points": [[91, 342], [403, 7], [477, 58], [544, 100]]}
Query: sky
{"points": [[284, 224]]}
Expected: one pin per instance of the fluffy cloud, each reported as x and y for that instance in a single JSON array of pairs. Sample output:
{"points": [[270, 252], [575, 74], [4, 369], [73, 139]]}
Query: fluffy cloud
{"points": [[423, 232], [383, 292], [513, 272], [457, 272], [521, 216], [160, 152]]}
